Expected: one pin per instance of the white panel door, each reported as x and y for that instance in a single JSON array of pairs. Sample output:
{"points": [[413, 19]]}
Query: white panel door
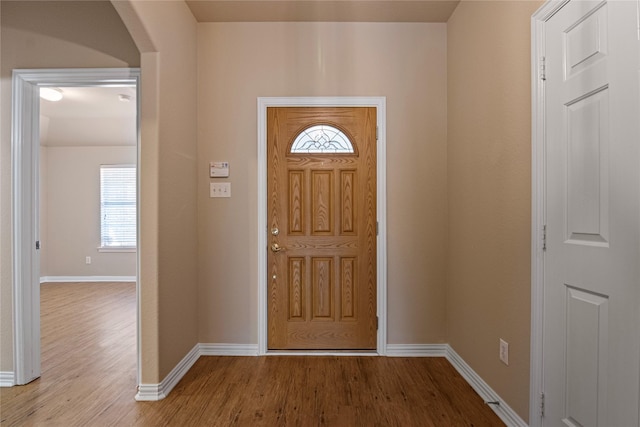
{"points": [[592, 276]]}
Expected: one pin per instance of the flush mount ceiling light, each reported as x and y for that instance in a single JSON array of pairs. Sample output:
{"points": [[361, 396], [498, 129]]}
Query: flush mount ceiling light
{"points": [[124, 98], [51, 93]]}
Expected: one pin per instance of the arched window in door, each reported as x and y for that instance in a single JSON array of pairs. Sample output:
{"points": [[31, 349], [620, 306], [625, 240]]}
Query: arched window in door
{"points": [[322, 139]]}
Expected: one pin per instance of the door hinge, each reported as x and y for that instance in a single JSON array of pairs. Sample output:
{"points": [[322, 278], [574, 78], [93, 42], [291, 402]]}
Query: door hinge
{"points": [[543, 68], [377, 322], [542, 404], [377, 228], [376, 133], [37, 244], [544, 237]]}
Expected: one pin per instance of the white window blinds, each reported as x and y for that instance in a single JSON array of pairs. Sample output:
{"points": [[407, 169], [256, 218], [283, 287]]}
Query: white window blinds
{"points": [[118, 206]]}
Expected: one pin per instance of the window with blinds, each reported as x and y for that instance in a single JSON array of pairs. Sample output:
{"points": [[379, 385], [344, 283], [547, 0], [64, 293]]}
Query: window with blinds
{"points": [[118, 206]]}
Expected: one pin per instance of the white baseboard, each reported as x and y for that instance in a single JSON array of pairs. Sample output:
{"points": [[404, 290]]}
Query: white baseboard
{"points": [[506, 414], [228, 349], [7, 379], [150, 392], [60, 279], [417, 350]]}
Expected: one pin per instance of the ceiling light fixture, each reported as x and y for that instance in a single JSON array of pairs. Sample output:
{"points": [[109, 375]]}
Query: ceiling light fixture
{"points": [[51, 94], [124, 98]]}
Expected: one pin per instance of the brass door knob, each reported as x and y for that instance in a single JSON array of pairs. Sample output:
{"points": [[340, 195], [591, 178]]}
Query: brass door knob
{"points": [[276, 248]]}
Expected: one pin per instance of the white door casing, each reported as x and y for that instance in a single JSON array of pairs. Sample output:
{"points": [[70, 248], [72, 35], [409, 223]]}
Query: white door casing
{"points": [[24, 198], [586, 184]]}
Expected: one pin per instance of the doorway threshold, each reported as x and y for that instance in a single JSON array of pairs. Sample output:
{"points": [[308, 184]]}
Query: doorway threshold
{"points": [[322, 353]]}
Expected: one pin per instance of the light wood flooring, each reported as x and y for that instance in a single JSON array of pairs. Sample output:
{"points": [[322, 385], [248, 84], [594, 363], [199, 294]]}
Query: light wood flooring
{"points": [[89, 379]]}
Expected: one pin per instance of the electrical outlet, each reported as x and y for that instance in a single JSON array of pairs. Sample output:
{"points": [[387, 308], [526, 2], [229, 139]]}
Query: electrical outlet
{"points": [[504, 352], [87, 260]]}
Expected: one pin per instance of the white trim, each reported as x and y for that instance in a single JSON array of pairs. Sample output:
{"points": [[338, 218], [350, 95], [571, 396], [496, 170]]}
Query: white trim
{"points": [[111, 249], [24, 200], [7, 379], [25, 262], [380, 104], [504, 411], [538, 219], [77, 279], [228, 349], [152, 392], [417, 350]]}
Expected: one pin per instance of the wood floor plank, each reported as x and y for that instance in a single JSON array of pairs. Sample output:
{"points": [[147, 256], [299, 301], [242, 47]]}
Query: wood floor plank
{"points": [[89, 379]]}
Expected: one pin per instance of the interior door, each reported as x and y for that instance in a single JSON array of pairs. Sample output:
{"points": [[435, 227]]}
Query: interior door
{"points": [[322, 228], [592, 280]]}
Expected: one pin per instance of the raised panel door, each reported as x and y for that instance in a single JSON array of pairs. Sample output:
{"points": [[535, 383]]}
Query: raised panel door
{"points": [[322, 230]]}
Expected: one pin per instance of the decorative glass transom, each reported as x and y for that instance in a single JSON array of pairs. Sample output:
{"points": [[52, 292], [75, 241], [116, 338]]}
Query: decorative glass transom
{"points": [[322, 139]]}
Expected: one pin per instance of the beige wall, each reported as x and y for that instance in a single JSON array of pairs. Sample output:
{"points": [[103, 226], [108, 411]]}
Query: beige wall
{"points": [[91, 34], [70, 220], [166, 35], [47, 34], [458, 164], [489, 145], [239, 62]]}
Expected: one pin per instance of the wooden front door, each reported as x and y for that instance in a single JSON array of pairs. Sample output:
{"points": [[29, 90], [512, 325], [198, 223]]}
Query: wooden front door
{"points": [[322, 228]]}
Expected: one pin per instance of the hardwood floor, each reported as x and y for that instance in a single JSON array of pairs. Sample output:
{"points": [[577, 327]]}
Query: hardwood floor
{"points": [[89, 366]]}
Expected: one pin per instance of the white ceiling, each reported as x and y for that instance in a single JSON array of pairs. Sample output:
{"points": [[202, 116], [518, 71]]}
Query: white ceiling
{"points": [[322, 10], [89, 116]]}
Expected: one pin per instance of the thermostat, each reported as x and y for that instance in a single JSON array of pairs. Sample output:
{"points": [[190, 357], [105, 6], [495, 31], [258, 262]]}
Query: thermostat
{"points": [[218, 169]]}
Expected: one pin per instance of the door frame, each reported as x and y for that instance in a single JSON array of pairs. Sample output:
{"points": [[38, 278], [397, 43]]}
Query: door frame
{"points": [[381, 205], [538, 205], [24, 199]]}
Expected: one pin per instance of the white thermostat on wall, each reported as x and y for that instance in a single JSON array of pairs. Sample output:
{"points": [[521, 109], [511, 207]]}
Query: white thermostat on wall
{"points": [[218, 169]]}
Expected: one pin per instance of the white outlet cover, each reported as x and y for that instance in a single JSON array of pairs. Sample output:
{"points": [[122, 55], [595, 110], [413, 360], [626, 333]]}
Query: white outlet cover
{"points": [[504, 352]]}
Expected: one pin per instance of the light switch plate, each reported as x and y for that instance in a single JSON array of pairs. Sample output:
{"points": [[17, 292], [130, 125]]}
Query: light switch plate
{"points": [[220, 189]]}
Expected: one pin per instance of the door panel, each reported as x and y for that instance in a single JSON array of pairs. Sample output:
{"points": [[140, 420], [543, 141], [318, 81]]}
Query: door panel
{"points": [[322, 203], [322, 273], [587, 337], [587, 169], [591, 344]]}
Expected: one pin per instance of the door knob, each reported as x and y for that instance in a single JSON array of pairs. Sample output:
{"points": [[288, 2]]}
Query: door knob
{"points": [[275, 231], [275, 247]]}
